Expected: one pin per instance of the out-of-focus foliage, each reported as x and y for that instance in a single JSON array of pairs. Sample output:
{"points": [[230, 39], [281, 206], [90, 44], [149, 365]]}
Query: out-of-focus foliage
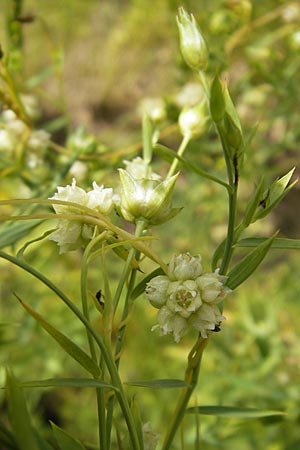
{"points": [[92, 64]]}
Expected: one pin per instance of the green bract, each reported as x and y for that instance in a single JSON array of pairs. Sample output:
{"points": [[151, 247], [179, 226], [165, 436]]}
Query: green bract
{"points": [[146, 199]]}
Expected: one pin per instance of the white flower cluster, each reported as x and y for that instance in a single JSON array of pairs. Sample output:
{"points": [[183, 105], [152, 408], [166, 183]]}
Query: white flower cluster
{"points": [[141, 197], [73, 234], [13, 131], [186, 297]]}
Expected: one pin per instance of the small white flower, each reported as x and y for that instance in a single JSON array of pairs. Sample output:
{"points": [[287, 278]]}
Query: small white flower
{"points": [[183, 298], [73, 234], [185, 267], [155, 108], [38, 140], [206, 318], [211, 286], [193, 121], [139, 169], [31, 105], [7, 141], [100, 199], [150, 438], [171, 323]]}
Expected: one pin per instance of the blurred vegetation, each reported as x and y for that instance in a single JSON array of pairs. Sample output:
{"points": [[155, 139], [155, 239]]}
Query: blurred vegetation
{"points": [[92, 64]]}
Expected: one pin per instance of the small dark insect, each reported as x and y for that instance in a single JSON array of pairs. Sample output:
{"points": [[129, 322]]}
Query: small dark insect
{"points": [[25, 19], [263, 203], [217, 328], [99, 297]]}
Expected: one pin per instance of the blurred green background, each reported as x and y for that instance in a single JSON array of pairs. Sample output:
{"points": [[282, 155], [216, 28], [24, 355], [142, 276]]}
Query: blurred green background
{"points": [[92, 63]]}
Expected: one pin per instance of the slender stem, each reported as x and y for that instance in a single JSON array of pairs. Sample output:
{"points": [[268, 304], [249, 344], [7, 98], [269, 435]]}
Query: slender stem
{"points": [[139, 229], [101, 411], [106, 352], [204, 83], [230, 233], [85, 310], [191, 377], [181, 150]]}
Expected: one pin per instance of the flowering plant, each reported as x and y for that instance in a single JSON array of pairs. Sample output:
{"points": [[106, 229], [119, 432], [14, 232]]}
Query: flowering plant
{"points": [[100, 220]]}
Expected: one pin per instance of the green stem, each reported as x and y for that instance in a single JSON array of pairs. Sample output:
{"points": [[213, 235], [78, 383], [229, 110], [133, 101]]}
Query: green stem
{"points": [[181, 150], [191, 377], [138, 232], [204, 84], [106, 352], [85, 310], [232, 202]]}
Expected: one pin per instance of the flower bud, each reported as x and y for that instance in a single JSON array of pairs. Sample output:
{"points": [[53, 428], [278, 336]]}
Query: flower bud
{"points": [[192, 44], [80, 140], [156, 291], [185, 267], [217, 101], [155, 108], [193, 121], [146, 199]]}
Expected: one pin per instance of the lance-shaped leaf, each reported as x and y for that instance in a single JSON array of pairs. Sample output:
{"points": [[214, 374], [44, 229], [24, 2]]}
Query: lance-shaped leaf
{"points": [[64, 440], [16, 231], [159, 384], [247, 265], [253, 204], [233, 412], [23, 431], [69, 346], [276, 192], [282, 243], [67, 382]]}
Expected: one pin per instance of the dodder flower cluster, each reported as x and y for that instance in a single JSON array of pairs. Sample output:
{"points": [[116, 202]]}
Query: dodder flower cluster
{"points": [[73, 234], [186, 297]]}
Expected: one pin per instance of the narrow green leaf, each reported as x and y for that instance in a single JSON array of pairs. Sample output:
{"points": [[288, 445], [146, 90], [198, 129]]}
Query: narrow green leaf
{"points": [[140, 288], [159, 384], [253, 204], [19, 416], [7, 439], [64, 440], [267, 206], [278, 243], [169, 155], [69, 346], [218, 255], [247, 265], [279, 186], [233, 412], [67, 382], [16, 231], [32, 241]]}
